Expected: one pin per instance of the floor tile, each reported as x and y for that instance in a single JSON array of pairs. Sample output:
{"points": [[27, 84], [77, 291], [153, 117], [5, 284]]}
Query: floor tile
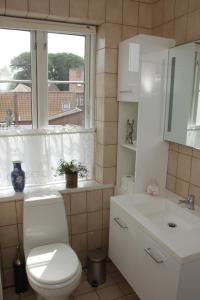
{"points": [[125, 288], [117, 277], [83, 288], [132, 297], [109, 293], [88, 296]]}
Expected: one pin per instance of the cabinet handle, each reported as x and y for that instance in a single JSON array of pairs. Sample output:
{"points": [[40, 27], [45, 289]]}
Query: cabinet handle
{"points": [[117, 220], [157, 260], [125, 92]]}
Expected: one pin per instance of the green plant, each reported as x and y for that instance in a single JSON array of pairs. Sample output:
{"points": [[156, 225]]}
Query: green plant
{"points": [[71, 167]]}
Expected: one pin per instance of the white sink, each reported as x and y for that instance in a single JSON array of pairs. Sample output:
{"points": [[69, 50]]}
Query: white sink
{"points": [[173, 225], [167, 215]]}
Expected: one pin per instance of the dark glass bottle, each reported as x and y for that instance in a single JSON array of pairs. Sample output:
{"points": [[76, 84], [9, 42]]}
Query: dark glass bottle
{"points": [[18, 177]]}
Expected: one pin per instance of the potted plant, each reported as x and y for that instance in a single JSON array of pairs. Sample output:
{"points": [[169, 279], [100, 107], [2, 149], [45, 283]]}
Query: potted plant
{"points": [[71, 170]]}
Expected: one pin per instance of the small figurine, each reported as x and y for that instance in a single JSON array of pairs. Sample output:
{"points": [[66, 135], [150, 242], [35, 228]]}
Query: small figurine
{"points": [[129, 132]]}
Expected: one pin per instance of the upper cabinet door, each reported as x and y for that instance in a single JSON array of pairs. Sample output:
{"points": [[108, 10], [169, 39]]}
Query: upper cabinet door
{"points": [[179, 93], [129, 71]]}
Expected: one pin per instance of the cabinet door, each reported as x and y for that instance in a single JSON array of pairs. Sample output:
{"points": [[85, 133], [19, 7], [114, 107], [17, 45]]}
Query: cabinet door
{"points": [[129, 71], [158, 272], [122, 244], [179, 93]]}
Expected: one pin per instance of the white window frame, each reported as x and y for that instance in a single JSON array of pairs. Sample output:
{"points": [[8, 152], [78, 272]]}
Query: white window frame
{"points": [[39, 30]]}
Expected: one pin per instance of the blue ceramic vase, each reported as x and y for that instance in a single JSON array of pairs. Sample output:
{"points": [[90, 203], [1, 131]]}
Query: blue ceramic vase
{"points": [[18, 177]]}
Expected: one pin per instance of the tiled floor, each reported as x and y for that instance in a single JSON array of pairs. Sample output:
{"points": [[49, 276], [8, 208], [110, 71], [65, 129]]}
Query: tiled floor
{"points": [[115, 287]]}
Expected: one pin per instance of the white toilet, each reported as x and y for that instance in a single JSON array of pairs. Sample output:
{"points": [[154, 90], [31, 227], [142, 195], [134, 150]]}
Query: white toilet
{"points": [[53, 268]]}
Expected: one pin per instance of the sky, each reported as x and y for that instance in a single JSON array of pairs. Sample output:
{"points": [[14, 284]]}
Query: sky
{"points": [[14, 42]]}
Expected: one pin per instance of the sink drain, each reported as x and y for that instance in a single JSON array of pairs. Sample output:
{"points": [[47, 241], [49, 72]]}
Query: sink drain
{"points": [[172, 225]]}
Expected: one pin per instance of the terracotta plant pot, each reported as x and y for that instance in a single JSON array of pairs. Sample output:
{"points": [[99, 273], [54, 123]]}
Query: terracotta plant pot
{"points": [[71, 180]]}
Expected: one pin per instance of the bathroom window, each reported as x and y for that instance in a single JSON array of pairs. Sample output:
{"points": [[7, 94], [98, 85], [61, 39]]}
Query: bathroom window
{"points": [[41, 69], [46, 97]]}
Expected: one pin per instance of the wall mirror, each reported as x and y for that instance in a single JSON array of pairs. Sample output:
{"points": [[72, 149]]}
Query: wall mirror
{"points": [[182, 117]]}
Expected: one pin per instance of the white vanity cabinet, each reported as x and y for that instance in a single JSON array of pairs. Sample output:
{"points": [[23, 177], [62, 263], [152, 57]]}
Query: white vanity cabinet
{"points": [[129, 71], [153, 271]]}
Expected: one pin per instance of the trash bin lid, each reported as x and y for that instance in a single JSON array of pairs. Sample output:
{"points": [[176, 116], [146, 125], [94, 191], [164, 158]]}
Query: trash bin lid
{"points": [[97, 255]]}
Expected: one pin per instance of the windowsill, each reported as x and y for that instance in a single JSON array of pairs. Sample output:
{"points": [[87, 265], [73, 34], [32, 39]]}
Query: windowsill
{"points": [[17, 131], [87, 185]]}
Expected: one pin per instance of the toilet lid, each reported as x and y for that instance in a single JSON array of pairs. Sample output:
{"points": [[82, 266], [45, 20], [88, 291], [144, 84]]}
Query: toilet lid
{"points": [[51, 264]]}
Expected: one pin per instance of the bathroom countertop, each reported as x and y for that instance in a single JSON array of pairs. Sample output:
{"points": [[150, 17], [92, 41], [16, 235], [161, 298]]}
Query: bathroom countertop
{"points": [[10, 195]]}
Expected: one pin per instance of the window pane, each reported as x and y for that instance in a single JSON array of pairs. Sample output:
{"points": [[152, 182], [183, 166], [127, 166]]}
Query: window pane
{"points": [[66, 62], [15, 105], [15, 58], [66, 106]]}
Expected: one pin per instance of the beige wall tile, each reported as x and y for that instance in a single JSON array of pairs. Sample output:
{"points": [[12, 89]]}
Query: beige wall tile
{"points": [[79, 242], [110, 156], [17, 7], [172, 163], [79, 223], [180, 30], [114, 11], [157, 11], [7, 213], [109, 133], [99, 173], [168, 11], [100, 78], [2, 7], [19, 209], [157, 31], [195, 172], [193, 32], [105, 239], [113, 34], [111, 60], [145, 15], [106, 218], [144, 30], [95, 221], [107, 109], [8, 256], [100, 60], [196, 153], [94, 200], [20, 233], [79, 9], [171, 183], [99, 154], [182, 188], [67, 202], [109, 175], [184, 167], [94, 239], [38, 8], [185, 150], [194, 5], [78, 203], [59, 10], [97, 10], [107, 193], [8, 277], [181, 7], [173, 147], [8, 236], [195, 190], [130, 12], [128, 32], [101, 37], [168, 29]]}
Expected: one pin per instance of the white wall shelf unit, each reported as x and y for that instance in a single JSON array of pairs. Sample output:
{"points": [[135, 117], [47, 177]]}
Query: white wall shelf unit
{"points": [[142, 78]]}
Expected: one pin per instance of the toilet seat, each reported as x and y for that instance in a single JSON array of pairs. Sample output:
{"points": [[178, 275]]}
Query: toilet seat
{"points": [[52, 265]]}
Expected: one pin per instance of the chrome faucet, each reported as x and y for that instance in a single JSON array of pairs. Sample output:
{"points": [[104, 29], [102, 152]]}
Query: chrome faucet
{"points": [[190, 200]]}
